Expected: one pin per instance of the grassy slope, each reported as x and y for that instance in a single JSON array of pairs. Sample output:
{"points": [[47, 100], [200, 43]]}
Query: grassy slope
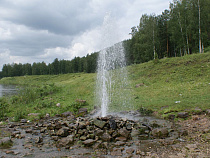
{"points": [[185, 79]]}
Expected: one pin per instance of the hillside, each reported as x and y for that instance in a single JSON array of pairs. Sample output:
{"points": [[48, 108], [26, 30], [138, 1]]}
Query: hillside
{"points": [[166, 86]]}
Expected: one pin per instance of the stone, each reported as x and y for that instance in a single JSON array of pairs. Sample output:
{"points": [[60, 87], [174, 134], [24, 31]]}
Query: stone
{"points": [[106, 137], [183, 132], [65, 114], [5, 140], [135, 133], [29, 131], [39, 140], [63, 142], [182, 115], [58, 104], [130, 150], [160, 132], [123, 139], [23, 121], [208, 111], [123, 132], [82, 111], [119, 143], [89, 142], [63, 132], [83, 138], [129, 126], [197, 111], [34, 114], [112, 124], [99, 123], [15, 133]]}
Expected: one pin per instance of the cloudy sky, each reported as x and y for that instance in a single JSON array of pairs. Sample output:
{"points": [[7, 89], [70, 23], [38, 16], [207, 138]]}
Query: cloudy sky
{"points": [[42, 30]]}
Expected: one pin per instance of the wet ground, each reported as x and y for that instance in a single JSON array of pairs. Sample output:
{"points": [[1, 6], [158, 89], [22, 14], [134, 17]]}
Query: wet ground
{"points": [[187, 138]]}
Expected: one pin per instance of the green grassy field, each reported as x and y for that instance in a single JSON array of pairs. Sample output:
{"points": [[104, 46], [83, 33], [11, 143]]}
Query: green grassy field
{"points": [[167, 86]]}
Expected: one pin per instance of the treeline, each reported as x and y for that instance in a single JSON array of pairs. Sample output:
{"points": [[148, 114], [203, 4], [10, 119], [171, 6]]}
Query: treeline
{"points": [[85, 64], [182, 29]]}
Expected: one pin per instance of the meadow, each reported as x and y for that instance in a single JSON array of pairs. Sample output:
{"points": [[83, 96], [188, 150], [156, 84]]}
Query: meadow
{"points": [[163, 87]]}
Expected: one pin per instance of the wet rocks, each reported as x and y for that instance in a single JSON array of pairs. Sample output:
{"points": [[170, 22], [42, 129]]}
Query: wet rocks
{"points": [[99, 123], [66, 141], [160, 132]]}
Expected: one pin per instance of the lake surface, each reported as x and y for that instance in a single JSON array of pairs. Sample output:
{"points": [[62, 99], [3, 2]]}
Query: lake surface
{"points": [[8, 90]]}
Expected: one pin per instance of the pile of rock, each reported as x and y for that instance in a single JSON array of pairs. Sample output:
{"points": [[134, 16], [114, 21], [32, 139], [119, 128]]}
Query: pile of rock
{"points": [[97, 132]]}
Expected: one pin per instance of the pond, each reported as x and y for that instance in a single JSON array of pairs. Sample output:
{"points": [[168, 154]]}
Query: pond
{"points": [[8, 90]]}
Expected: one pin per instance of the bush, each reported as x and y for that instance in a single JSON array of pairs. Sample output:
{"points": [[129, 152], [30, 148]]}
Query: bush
{"points": [[3, 107]]}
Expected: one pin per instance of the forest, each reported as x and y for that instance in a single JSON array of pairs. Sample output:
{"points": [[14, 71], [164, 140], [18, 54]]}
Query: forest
{"points": [[182, 29]]}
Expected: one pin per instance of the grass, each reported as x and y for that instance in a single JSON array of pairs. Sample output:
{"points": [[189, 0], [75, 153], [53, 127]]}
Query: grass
{"points": [[169, 86]]}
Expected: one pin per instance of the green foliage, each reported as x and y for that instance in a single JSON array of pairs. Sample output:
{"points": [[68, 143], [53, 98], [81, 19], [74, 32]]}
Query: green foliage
{"points": [[19, 114], [145, 111], [3, 107]]}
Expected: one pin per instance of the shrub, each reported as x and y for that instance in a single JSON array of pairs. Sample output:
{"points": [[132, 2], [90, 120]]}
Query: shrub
{"points": [[3, 107]]}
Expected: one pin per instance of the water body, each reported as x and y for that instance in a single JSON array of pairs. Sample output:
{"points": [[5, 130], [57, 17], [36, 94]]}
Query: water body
{"points": [[8, 90]]}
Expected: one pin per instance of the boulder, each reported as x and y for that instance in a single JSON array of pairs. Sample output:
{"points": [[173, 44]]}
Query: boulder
{"points": [[160, 132], [66, 141], [99, 123], [106, 137], [125, 133], [89, 142], [63, 132], [112, 124]]}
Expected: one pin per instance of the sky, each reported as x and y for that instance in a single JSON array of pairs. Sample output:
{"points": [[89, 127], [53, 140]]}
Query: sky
{"points": [[42, 30]]}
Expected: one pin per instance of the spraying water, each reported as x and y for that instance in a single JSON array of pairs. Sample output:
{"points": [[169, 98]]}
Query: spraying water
{"points": [[112, 92]]}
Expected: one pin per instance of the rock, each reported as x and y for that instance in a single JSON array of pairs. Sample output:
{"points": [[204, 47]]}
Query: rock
{"points": [[23, 121], [130, 150], [5, 140], [9, 152], [58, 104], [39, 140], [117, 152], [119, 143], [160, 132], [106, 137], [197, 111], [15, 133], [83, 138], [135, 133], [99, 123], [208, 111], [122, 139], [129, 126], [82, 111], [139, 85], [182, 115], [47, 115], [29, 131], [123, 132], [183, 132], [58, 125], [89, 142], [34, 114], [65, 114], [63, 142], [63, 132], [112, 124]]}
